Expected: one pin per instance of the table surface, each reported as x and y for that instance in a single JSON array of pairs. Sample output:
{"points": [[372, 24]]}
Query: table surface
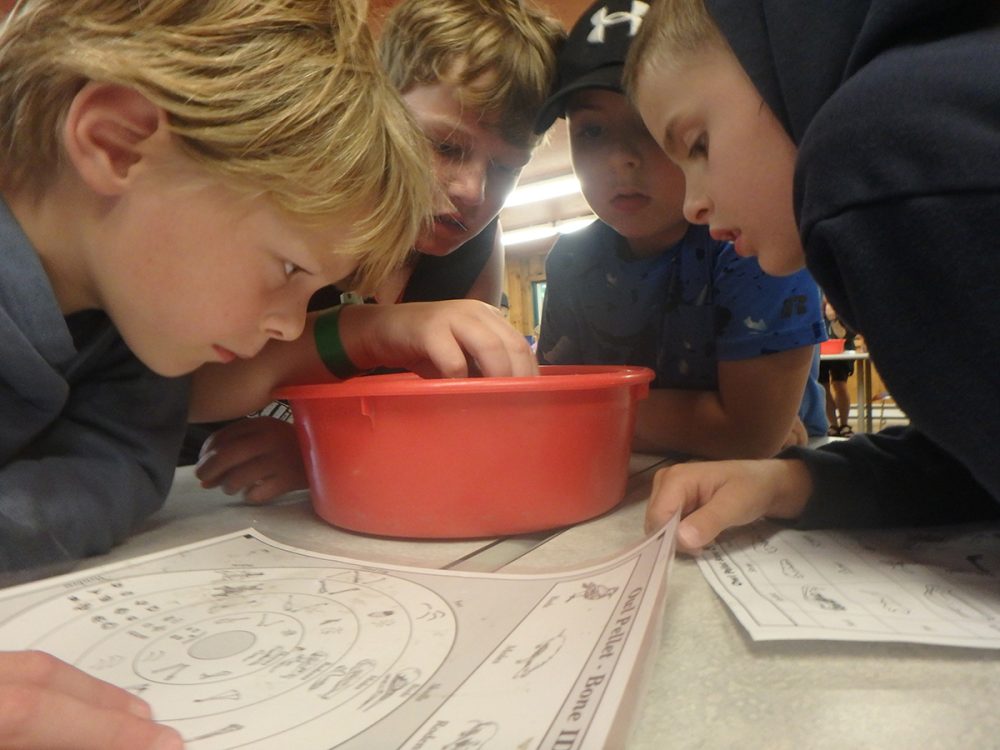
{"points": [[709, 685]]}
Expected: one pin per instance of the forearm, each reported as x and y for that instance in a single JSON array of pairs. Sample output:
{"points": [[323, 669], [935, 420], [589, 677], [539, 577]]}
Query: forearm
{"points": [[432, 339], [896, 477], [792, 490], [700, 423], [66, 507]]}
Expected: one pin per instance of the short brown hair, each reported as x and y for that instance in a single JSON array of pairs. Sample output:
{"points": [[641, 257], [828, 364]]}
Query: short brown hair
{"points": [[281, 98], [672, 31], [501, 53]]}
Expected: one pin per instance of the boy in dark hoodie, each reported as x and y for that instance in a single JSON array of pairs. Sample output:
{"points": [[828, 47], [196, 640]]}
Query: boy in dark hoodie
{"points": [[868, 132]]}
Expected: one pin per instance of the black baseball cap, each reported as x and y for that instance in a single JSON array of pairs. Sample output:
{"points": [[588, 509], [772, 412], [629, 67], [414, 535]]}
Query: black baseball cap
{"points": [[593, 55]]}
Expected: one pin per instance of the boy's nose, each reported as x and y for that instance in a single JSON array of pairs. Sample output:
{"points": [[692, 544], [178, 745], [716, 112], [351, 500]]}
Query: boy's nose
{"points": [[625, 157], [697, 207], [468, 184], [286, 324]]}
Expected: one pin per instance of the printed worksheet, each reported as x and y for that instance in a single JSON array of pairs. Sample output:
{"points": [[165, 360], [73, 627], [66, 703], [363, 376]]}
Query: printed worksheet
{"points": [[939, 586], [242, 642]]}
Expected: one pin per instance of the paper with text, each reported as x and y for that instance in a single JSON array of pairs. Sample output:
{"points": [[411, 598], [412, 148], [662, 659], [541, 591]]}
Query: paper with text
{"points": [[242, 642], [931, 585]]}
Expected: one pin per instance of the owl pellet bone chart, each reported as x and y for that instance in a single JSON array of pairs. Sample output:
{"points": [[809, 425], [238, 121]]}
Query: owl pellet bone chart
{"points": [[242, 642]]}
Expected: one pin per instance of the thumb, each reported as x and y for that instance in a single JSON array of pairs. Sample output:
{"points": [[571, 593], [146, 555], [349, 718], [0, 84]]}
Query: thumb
{"points": [[699, 529]]}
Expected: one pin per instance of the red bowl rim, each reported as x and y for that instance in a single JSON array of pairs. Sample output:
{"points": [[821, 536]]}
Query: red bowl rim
{"points": [[556, 378]]}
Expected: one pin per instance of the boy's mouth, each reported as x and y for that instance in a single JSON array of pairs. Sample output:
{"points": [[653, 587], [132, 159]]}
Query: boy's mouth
{"points": [[630, 202], [451, 222], [225, 356], [732, 235], [723, 235], [228, 355]]}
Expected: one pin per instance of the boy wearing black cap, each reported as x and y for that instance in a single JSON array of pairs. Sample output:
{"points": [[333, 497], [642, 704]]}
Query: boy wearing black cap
{"points": [[732, 348]]}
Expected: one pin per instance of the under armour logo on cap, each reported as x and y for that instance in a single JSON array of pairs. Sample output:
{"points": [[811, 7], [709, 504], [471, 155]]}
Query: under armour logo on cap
{"points": [[594, 53], [601, 20]]}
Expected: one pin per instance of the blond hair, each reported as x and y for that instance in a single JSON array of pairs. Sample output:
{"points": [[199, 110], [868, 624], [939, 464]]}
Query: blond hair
{"points": [[672, 32], [283, 98], [500, 53]]}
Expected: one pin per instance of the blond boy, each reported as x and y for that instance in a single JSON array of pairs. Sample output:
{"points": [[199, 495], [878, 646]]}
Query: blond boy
{"points": [[178, 178], [473, 74]]}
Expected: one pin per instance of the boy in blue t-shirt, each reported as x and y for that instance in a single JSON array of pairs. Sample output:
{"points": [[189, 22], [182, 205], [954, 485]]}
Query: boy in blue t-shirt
{"points": [[733, 348]]}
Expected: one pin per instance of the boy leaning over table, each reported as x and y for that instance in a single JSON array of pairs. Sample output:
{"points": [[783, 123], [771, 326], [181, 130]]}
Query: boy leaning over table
{"points": [[178, 178], [473, 73], [858, 138]]}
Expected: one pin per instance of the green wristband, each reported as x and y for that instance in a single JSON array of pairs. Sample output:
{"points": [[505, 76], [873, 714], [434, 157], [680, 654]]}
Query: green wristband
{"points": [[330, 348]]}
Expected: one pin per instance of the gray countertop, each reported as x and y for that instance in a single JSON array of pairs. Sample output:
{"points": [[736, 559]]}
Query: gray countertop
{"points": [[708, 685]]}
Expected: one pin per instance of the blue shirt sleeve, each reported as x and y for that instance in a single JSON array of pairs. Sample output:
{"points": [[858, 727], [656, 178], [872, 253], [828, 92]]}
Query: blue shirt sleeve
{"points": [[766, 314]]}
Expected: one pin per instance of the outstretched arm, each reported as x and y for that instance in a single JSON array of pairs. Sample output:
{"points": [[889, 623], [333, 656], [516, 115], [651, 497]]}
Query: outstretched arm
{"points": [[454, 338], [93, 472]]}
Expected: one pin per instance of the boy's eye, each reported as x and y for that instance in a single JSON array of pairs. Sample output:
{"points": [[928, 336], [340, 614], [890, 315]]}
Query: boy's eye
{"points": [[291, 269], [589, 131], [699, 147], [448, 150]]}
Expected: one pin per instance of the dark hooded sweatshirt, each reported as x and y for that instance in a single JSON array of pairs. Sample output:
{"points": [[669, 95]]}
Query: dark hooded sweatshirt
{"points": [[895, 108]]}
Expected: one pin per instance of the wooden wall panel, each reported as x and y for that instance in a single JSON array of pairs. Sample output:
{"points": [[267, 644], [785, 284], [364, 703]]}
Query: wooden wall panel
{"points": [[521, 270]]}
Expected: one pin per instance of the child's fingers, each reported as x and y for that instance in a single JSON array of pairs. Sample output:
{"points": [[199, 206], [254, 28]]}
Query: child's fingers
{"points": [[35, 687], [437, 339], [704, 495], [671, 493], [43, 670], [265, 489], [219, 453], [209, 470], [498, 350], [484, 341], [263, 479], [243, 444], [447, 356], [35, 717], [701, 527]]}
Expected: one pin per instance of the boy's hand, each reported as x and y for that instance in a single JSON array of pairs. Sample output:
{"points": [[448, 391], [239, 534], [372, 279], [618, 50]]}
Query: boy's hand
{"points": [[453, 339], [259, 457], [715, 495], [48, 704]]}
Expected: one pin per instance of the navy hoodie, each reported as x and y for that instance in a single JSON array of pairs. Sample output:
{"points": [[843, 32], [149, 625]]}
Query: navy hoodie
{"points": [[895, 108]]}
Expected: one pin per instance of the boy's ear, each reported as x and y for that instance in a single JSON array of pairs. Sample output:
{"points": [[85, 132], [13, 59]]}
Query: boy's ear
{"points": [[108, 130]]}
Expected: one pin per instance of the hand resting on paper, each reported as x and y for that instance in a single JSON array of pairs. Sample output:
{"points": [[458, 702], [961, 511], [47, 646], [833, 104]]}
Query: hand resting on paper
{"points": [[712, 496], [46, 703], [257, 457]]}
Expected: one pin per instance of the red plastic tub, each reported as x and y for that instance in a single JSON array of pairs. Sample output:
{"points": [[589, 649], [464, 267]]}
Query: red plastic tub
{"points": [[831, 346], [403, 456]]}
